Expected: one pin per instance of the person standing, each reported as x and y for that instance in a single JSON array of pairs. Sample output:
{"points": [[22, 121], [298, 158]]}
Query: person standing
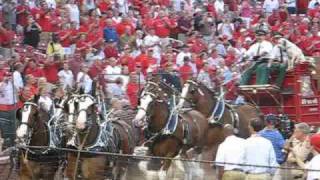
{"points": [[227, 153], [66, 77], [272, 134], [298, 148], [32, 33], [315, 161], [259, 151], [84, 81]]}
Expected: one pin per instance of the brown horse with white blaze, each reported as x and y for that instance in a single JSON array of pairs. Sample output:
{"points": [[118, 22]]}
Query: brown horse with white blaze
{"points": [[205, 101], [155, 111], [33, 131]]}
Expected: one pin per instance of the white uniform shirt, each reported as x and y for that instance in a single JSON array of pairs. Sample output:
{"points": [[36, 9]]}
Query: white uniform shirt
{"points": [[231, 150], [260, 48], [66, 78], [85, 82], [314, 164], [17, 80], [259, 151], [270, 5]]}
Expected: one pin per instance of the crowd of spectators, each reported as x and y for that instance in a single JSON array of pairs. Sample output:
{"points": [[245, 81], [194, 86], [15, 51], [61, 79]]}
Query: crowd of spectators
{"points": [[62, 44]]}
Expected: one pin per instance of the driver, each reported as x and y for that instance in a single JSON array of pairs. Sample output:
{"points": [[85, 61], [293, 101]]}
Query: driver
{"points": [[257, 54]]}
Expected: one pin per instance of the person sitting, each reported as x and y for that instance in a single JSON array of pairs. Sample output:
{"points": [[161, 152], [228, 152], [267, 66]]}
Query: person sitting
{"points": [[259, 53], [283, 57]]}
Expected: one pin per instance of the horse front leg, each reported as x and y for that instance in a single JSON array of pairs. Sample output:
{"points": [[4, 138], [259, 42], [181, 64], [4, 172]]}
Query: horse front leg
{"points": [[71, 165], [163, 172]]}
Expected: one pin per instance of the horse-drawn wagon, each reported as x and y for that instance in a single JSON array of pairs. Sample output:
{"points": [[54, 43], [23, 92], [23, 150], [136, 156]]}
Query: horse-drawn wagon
{"points": [[299, 99]]}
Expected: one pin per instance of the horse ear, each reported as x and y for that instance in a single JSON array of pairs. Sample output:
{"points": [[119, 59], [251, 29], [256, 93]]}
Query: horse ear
{"points": [[36, 98], [18, 114], [81, 90]]}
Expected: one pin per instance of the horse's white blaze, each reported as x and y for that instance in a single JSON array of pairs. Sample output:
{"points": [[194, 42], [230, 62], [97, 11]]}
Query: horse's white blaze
{"points": [[23, 128], [82, 116], [144, 103], [71, 112], [184, 94]]}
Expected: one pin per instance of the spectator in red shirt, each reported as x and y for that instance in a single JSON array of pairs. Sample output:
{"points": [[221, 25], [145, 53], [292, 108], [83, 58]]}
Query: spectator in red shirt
{"points": [[162, 25], [34, 69], [133, 90], [185, 70], [125, 24], [51, 68], [111, 49], [23, 12]]}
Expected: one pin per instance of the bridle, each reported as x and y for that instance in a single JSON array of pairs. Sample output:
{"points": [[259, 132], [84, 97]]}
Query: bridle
{"points": [[197, 86], [27, 104]]}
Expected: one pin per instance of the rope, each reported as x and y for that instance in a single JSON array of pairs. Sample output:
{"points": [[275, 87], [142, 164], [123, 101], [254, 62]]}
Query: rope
{"points": [[78, 155], [141, 157]]}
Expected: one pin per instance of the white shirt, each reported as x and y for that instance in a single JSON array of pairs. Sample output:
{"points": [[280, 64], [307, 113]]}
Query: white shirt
{"points": [[260, 48], [292, 3], [51, 4], [74, 13], [154, 42], [45, 102], [17, 80], [219, 6], [314, 164], [180, 57], [112, 73], [231, 150], [85, 82], [7, 95], [259, 151], [311, 4], [270, 5], [66, 78], [177, 5], [226, 29]]}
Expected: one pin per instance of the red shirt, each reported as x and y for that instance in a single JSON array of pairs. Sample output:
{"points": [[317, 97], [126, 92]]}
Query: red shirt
{"points": [[185, 72], [132, 92], [6, 37], [37, 72], [65, 37], [161, 27], [111, 51], [22, 18], [51, 72], [104, 6], [145, 61], [121, 27], [45, 20], [95, 70], [127, 60]]}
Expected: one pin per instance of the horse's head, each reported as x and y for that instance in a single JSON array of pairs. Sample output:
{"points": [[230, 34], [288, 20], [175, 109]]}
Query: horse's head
{"points": [[84, 108], [29, 115], [154, 93], [191, 92]]}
